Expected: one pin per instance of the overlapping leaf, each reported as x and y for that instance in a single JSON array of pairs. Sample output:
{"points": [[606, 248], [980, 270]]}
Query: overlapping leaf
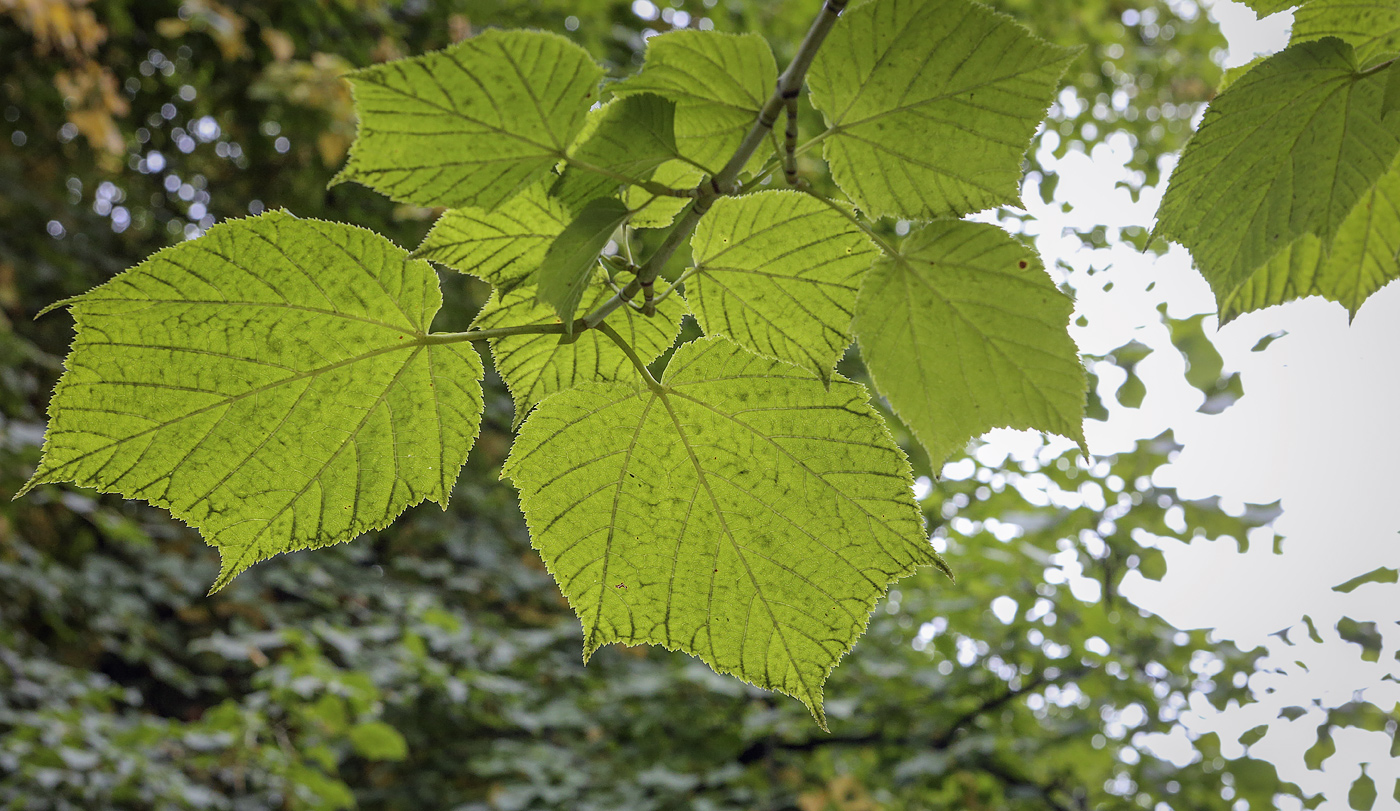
{"points": [[471, 125], [632, 137], [738, 512], [657, 211], [931, 105], [271, 384], [1287, 151], [963, 332], [536, 366], [719, 82], [778, 272], [1362, 258], [568, 264], [1372, 27], [505, 246]]}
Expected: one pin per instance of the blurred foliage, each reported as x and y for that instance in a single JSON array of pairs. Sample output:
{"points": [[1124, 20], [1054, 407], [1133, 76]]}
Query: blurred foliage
{"points": [[435, 665]]}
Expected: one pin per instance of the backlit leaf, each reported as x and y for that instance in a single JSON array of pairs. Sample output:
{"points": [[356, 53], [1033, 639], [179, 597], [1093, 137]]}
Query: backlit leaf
{"points": [[718, 82], [1288, 150], [654, 211], [567, 267], [738, 512], [632, 137], [1372, 27], [1363, 257], [963, 332], [931, 105], [779, 272], [536, 366], [471, 125], [271, 384], [505, 246]]}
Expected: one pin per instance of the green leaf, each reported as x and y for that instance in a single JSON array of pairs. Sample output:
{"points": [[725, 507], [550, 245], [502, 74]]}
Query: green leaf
{"points": [[1380, 574], [536, 366], [1254, 735], [778, 272], [471, 125], [656, 211], [1266, 7], [1362, 795], [270, 383], [963, 331], [1390, 98], [1372, 27], [1324, 748], [632, 137], [1287, 151], [376, 740], [504, 247], [738, 512], [568, 265], [931, 105], [1363, 257], [719, 82]]}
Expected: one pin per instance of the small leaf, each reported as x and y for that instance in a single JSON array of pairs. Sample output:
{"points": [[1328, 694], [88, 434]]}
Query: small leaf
{"points": [[948, 90], [1254, 735], [568, 265], [632, 137], [536, 366], [779, 272], [471, 125], [1380, 574], [1287, 151], [1324, 748], [738, 512], [376, 740], [271, 383], [504, 247], [655, 211], [719, 82], [963, 331], [1363, 792], [1372, 27]]}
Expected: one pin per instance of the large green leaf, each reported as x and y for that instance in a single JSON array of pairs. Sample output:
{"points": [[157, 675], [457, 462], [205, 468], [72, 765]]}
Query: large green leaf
{"points": [[271, 384], [719, 82], [1266, 7], [471, 125], [505, 246], [568, 265], [963, 331], [778, 272], [536, 366], [1371, 26], [1362, 258], [632, 137], [931, 105], [1287, 151], [738, 512]]}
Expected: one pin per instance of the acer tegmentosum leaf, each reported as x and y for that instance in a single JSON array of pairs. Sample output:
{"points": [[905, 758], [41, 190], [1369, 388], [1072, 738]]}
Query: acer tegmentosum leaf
{"points": [[536, 366], [505, 246], [1287, 151], [779, 271], [633, 136], [270, 383], [567, 267], [471, 125], [962, 331], [737, 511], [931, 105], [1363, 257], [718, 82]]}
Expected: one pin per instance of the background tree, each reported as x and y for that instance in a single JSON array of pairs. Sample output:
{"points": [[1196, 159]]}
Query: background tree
{"points": [[435, 663]]}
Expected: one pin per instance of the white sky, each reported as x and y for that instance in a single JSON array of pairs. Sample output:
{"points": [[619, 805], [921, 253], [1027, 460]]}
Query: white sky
{"points": [[1315, 428]]}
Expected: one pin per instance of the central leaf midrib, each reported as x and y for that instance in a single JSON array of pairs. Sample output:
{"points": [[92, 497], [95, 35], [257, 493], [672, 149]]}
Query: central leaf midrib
{"points": [[229, 400], [738, 550]]}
